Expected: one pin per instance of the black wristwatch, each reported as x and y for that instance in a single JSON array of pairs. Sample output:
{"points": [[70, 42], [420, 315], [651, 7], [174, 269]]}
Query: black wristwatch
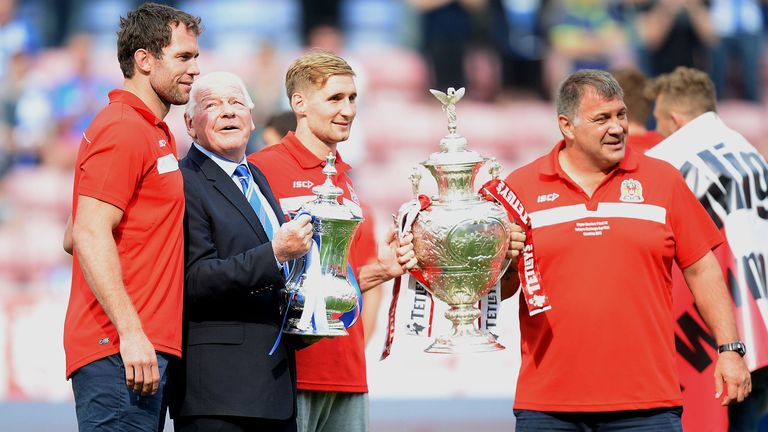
{"points": [[737, 346]]}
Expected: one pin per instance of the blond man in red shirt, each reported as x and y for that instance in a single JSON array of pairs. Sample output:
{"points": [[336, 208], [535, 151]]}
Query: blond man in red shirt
{"points": [[331, 373]]}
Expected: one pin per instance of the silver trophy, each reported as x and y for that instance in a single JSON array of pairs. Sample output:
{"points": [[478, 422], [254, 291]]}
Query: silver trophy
{"points": [[460, 240], [318, 290]]}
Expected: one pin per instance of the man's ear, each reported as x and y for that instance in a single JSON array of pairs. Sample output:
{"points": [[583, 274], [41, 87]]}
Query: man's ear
{"points": [[190, 130], [298, 103], [142, 61], [678, 119], [566, 126]]}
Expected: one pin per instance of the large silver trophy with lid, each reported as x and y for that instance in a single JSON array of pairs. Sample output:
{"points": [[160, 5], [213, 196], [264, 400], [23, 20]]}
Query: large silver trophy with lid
{"points": [[460, 239], [318, 290]]}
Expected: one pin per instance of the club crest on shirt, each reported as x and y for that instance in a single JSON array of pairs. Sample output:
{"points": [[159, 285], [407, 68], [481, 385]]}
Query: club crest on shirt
{"points": [[631, 191], [162, 143]]}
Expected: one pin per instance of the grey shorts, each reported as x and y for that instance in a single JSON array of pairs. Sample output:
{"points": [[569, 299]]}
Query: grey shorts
{"points": [[332, 411]]}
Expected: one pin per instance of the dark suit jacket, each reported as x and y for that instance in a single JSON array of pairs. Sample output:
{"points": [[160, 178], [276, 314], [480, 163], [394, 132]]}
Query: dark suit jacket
{"points": [[231, 304]]}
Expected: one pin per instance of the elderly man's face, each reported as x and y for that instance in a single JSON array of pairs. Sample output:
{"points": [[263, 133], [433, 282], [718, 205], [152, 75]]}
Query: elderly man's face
{"points": [[221, 121], [600, 130]]}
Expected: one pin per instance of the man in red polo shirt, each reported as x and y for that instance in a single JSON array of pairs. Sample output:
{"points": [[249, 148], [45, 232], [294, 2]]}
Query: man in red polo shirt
{"points": [[123, 321], [331, 373], [607, 223]]}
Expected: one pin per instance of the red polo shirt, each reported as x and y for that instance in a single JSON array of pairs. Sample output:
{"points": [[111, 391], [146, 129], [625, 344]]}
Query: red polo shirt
{"points": [[333, 364], [643, 143], [607, 344], [128, 158]]}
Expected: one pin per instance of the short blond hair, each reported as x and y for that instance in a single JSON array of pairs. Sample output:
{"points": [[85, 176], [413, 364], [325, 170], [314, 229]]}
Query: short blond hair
{"points": [[688, 90], [314, 68]]}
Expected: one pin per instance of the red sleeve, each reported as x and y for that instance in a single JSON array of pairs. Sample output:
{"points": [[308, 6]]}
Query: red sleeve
{"points": [[113, 164], [695, 233]]}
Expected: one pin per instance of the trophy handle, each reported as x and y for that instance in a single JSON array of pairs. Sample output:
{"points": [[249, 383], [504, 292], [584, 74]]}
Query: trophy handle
{"points": [[504, 268], [415, 179], [495, 168]]}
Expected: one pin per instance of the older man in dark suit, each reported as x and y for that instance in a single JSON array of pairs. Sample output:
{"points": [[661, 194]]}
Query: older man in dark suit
{"points": [[236, 245]]}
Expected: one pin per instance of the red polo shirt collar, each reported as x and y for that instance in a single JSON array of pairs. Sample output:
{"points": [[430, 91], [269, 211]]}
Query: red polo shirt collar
{"points": [[306, 158], [551, 165], [130, 99]]}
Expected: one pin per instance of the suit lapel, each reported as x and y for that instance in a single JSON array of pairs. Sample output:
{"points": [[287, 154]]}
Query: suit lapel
{"points": [[226, 187]]}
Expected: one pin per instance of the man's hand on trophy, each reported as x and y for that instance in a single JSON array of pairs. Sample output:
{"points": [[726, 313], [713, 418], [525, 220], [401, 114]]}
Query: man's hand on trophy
{"points": [[516, 241], [406, 256], [293, 239], [398, 257]]}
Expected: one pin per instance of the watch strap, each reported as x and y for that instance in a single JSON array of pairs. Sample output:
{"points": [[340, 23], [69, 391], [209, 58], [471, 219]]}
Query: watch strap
{"points": [[737, 346]]}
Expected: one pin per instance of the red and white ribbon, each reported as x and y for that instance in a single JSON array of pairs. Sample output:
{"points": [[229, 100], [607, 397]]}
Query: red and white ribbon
{"points": [[406, 216], [527, 265]]}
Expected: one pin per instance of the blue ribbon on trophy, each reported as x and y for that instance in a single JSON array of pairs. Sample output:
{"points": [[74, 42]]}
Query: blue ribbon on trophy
{"points": [[313, 315], [350, 318], [322, 295]]}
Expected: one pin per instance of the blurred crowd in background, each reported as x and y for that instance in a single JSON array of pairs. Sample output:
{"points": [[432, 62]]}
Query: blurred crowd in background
{"points": [[58, 62]]}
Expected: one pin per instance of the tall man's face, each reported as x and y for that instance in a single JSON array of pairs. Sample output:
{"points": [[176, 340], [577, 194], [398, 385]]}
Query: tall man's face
{"points": [[173, 73], [331, 109], [221, 121], [598, 132]]}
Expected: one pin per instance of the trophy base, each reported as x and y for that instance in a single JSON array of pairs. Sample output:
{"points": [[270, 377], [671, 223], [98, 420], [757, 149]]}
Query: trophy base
{"points": [[335, 328], [477, 342]]}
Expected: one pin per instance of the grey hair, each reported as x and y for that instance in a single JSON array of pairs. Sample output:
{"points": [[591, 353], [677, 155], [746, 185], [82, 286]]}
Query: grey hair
{"points": [[206, 80], [572, 90]]}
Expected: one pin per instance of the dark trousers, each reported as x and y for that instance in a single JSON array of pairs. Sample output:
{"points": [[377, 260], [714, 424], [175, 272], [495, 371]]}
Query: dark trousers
{"points": [[752, 414], [651, 420], [232, 424], [103, 402]]}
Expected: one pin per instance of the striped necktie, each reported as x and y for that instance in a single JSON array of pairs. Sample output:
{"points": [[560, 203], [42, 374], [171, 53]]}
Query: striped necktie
{"points": [[249, 189]]}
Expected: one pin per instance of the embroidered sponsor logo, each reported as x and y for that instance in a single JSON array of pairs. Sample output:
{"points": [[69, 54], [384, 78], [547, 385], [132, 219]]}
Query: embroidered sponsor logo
{"points": [[104, 341], [162, 143], [631, 191], [590, 229], [547, 197], [302, 184], [167, 163]]}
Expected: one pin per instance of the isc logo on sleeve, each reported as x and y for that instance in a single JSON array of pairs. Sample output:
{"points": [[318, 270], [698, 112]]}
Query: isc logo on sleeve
{"points": [[547, 197], [300, 184]]}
